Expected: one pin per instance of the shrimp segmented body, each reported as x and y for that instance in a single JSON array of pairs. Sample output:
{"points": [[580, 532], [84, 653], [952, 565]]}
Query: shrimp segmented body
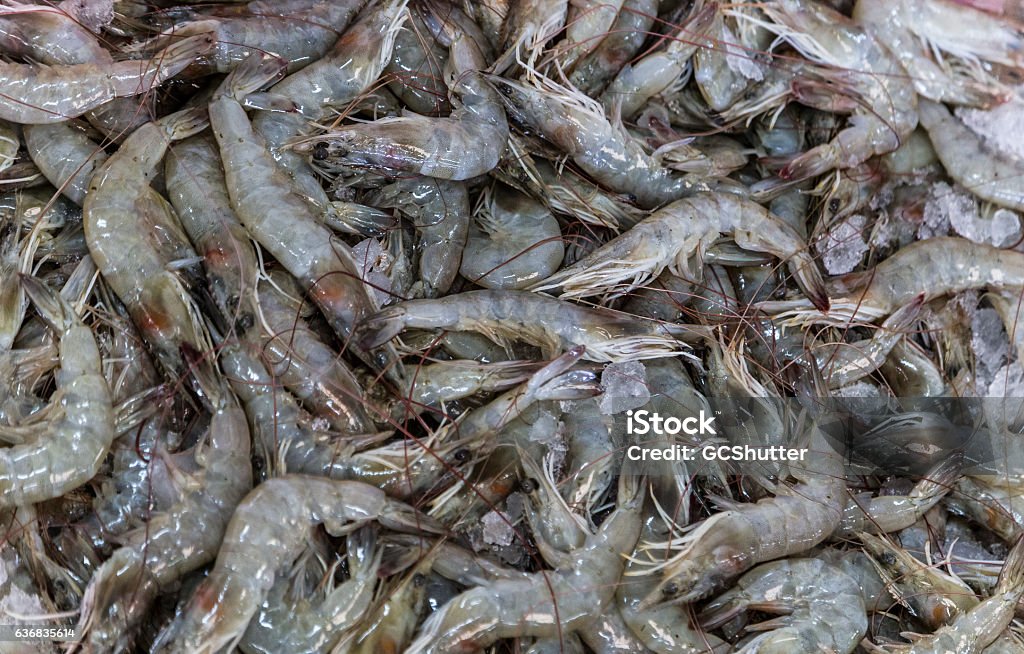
{"points": [[40, 95], [552, 325], [823, 607], [267, 530], [676, 237], [513, 241], [72, 443]]}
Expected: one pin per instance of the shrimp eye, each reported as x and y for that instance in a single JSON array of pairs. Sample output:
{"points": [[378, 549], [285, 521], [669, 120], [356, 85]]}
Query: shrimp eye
{"points": [[529, 485], [419, 580], [888, 558], [833, 205], [462, 454], [320, 151], [244, 322], [671, 589]]}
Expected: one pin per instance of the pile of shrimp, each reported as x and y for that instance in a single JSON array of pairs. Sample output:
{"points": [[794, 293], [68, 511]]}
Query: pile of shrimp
{"points": [[328, 326]]}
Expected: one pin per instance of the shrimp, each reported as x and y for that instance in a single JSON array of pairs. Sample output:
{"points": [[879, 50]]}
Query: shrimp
{"points": [[78, 427], [439, 209], [933, 267], [973, 631], [934, 596], [66, 156], [823, 608], [392, 625], [550, 324], [281, 220], [355, 61], [994, 176], [513, 242], [38, 95], [676, 237], [602, 149], [997, 509], [735, 540], [135, 259], [889, 513], [267, 530], [287, 625], [174, 542], [299, 32], [886, 112], [447, 381], [467, 143], [726, 64], [844, 364], [416, 69], [9, 145], [930, 37], [527, 607], [529, 24], [624, 39], [586, 25]]}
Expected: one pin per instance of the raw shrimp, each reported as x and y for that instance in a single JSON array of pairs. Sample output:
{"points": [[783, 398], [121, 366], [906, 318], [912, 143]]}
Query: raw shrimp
{"points": [[332, 82], [726, 64], [467, 143], [994, 176], [605, 151], [8, 145], [889, 513], [933, 267], [281, 220], [173, 543], [999, 510], [66, 156], [528, 25], [543, 604], [844, 364], [73, 435], [676, 237], [135, 241], [623, 41], [886, 108], [972, 632], [587, 24], [439, 210], [40, 95], [296, 625], [552, 325], [513, 241], [822, 608], [416, 69], [735, 540], [392, 625], [934, 596], [267, 530], [446, 381]]}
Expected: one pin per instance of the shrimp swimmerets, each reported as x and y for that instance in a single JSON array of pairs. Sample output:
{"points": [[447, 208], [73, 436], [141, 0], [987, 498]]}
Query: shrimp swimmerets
{"points": [[676, 237]]}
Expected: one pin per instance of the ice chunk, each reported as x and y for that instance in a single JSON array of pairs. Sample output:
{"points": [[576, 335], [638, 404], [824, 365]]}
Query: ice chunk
{"points": [[625, 387], [1000, 126], [1008, 381], [1005, 228], [939, 209], [373, 262], [496, 529], [859, 389], [843, 246], [990, 344]]}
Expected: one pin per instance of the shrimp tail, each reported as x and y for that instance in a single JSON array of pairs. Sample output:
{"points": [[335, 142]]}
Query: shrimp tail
{"points": [[253, 74], [381, 327], [402, 517], [185, 123], [52, 308], [816, 161], [904, 317], [810, 280], [168, 62], [1011, 577]]}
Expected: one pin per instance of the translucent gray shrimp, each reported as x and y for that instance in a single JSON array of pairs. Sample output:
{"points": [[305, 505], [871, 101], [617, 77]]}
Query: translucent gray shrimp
{"points": [[552, 325], [66, 156], [658, 72], [439, 210], [579, 126], [267, 530], [173, 542], [417, 69], [279, 219], [513, 241], [527, 607], [73, 436], [844, 364], [528, 25], [137, 244], [286, 624], [886, 113], [587, 24], [331, 82], [445, 381], [461, 146], [822, 608], [9, 145], [676, 238], [39, 95], [991, 175], [624, 39]]}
